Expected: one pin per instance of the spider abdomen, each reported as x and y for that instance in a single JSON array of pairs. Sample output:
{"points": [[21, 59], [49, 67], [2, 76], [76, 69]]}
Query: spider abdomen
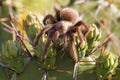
{"points": [[69, 14]]}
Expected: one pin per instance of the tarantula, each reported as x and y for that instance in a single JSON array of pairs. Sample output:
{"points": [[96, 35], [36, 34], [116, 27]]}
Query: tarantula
{"points": [[65, 25]]}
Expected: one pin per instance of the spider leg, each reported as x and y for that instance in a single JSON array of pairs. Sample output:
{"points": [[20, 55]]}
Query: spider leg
{"points": [[82, 30], [44, 54], [80, 34], [65, 37], [73, 50], [86, 29], [44, 30], [55, 39]]}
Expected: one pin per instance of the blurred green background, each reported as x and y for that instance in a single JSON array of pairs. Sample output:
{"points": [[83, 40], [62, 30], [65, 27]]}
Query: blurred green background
{"points": [[93, 11], [104, 13]]}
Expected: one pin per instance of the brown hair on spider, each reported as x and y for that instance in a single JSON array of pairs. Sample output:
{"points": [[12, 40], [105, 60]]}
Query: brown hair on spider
{"points": [[66, 14], [65, 23], [69, 14]]}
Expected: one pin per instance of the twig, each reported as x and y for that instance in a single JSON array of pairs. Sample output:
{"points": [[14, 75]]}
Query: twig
{"points": [[45, 75], [14, 76], [40, 24], [20, 37], [75, 70], [28, 52], [90, 61], [11, 29], [116, 77], [114, 39], [99, 46], [4, 19], [63, 71]]}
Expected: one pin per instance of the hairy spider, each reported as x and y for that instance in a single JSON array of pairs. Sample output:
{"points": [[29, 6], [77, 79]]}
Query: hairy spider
{"points": [[64, 25]]}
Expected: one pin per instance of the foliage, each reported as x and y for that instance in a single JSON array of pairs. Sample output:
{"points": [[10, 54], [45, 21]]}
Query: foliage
{"points": [[20, 60]]}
